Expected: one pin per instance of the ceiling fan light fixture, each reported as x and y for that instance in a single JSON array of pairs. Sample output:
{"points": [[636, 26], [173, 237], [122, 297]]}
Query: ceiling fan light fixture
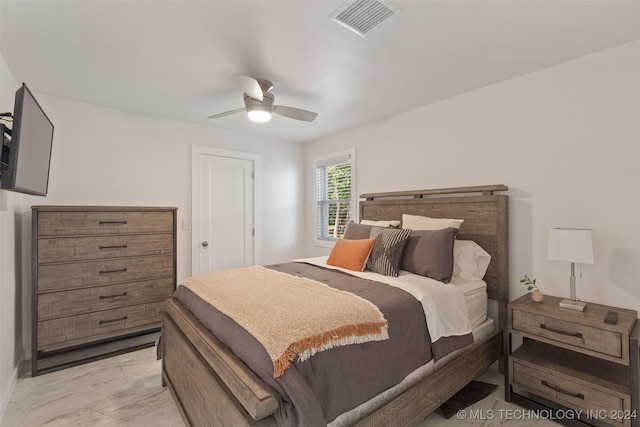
{"points": [[259, 112], [259, 115]]}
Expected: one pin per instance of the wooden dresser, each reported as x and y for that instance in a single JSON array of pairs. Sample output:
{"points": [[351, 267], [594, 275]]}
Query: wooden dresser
{"points": [[574, 362], [100, 277]]}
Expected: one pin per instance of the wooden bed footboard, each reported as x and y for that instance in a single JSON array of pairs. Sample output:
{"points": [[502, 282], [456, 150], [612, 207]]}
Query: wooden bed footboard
{"points": [[209, 384], [414, 405]]}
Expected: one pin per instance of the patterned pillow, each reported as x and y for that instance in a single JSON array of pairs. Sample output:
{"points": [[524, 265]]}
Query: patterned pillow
{"points": [[386, 253]]}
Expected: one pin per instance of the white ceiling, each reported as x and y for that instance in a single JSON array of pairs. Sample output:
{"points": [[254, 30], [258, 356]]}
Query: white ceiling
{"points": [[178, 59]]}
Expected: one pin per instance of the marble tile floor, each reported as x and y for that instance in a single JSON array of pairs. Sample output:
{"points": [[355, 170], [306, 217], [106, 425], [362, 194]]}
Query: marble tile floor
{"points": [[126, 390]]}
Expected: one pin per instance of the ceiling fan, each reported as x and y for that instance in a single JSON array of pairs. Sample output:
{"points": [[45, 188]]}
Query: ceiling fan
{"points": [[258, 101]]}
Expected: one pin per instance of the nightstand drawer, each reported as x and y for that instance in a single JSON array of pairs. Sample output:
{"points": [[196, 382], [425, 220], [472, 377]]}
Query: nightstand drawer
{"points": [[573, 380], [564, 391], [574, 334]]}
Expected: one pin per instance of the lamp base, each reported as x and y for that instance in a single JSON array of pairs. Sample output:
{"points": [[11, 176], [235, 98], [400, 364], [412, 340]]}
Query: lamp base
{"points": [[573, 305]]}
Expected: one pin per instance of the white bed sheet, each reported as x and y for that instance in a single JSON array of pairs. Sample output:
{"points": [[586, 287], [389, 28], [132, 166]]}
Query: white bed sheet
{"points": [[475, 295]]}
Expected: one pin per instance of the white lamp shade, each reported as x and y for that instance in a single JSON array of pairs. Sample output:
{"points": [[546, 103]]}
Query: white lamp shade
{"points": [[571, 245]]}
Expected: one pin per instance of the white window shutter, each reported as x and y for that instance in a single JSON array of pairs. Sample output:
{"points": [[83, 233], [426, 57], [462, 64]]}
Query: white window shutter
{"points": [[335, 188]]}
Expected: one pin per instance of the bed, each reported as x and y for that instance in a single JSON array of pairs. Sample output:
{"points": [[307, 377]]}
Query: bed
{"points": [[212, 386]]}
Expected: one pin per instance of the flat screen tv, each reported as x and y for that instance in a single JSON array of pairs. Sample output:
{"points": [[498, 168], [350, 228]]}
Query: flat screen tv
{"points": [[27, 164]]}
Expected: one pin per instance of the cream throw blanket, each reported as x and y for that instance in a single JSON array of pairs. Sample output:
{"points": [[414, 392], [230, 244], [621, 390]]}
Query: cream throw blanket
{"points": [[289, 315]]}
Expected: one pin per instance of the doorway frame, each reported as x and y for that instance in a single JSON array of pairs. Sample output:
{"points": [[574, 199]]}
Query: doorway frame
{"points": [[196, 173]]}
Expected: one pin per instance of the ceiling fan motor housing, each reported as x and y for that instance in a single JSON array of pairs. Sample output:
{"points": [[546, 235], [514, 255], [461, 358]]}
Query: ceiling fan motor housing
{"points": [[254, 105], [265, 85]]}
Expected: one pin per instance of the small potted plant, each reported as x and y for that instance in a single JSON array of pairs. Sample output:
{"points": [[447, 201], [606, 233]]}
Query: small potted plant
{"points": [[536, 295]]}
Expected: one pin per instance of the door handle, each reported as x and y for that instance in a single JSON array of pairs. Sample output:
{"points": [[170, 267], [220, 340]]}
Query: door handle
{"points": [[205, 244]]}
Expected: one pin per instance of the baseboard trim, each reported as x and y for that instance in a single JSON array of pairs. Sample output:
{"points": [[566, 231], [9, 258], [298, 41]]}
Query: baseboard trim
{"points": [[8, 391]]}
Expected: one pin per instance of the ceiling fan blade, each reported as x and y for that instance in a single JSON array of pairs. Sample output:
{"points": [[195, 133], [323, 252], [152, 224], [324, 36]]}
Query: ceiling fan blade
{"points": [[250, 86], [295, 113], [226, 113]]}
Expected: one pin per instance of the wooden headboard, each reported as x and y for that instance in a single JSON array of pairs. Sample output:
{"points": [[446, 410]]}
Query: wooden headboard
{"points": [[485, 214]]}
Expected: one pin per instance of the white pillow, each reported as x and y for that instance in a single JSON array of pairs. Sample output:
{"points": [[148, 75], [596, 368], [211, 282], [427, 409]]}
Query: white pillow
{"points": [[470, 261], [418, 222], [392, 223]]}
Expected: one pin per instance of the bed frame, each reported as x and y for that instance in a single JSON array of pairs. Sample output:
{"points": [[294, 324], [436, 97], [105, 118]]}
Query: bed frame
{"points": [[213, 387]]}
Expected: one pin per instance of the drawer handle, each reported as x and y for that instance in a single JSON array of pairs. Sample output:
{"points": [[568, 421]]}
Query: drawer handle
{"points": [[558, 331], [113, 247], [122, 270], [560, 390], [124, 294], [111, 222], [102, 322]]}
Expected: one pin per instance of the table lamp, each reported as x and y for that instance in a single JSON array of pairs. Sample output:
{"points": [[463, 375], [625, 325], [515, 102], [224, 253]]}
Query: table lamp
{"points": [[571, 245]]}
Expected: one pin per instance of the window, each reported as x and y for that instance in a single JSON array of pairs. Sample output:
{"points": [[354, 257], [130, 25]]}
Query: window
{"points": [[335, 195]]}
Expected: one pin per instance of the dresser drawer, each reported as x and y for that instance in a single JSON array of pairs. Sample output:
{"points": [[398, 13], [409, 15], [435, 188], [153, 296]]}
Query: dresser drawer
{"points": [[53, 277], [568, 333], [86, 300], [52, 223], [101, 247], [67, 331]]}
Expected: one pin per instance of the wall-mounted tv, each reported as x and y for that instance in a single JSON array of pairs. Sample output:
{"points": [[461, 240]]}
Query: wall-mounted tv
{"points": [[29, 147]]}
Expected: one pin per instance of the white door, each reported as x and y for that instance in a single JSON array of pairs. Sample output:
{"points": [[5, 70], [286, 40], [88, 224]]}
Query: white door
{"points": [[224, 221]]}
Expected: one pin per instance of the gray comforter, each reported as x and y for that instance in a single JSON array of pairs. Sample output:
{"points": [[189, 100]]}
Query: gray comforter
{"points": [[316, 391]]}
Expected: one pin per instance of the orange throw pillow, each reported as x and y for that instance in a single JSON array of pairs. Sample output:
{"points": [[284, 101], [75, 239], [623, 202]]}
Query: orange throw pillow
{"points": [[350, 254]]}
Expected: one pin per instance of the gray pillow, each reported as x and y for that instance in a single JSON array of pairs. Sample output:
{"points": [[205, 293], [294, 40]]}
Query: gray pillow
{"points": [[430, 253], [356, 231], [386, 252]]}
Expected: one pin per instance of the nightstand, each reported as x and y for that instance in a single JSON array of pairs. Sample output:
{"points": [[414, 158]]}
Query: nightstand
{"points": [[572, 360]]}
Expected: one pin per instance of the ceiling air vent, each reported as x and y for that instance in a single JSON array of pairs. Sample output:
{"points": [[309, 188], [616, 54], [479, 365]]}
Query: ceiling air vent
{"points": [[360, 16]]}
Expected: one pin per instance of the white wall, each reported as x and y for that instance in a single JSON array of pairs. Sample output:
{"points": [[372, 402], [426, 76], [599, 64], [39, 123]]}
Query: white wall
{"points": [[102, 156], [10, 265], [566, 140]]}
